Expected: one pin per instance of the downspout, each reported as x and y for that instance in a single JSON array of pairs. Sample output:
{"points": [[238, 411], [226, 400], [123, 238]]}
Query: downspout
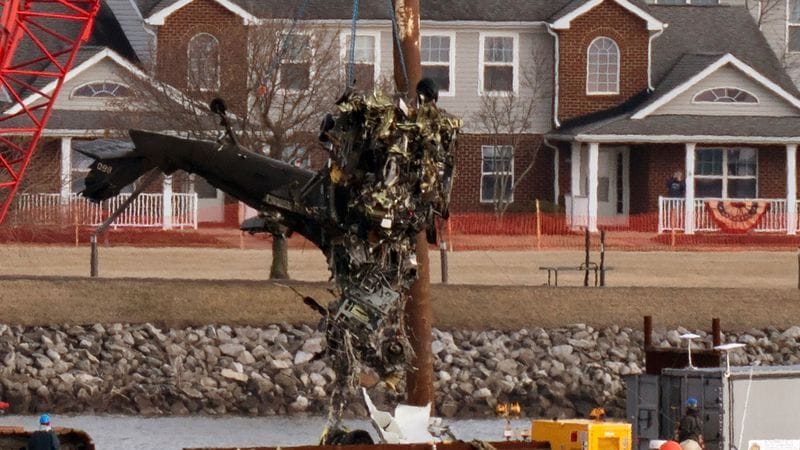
{"points": [[650, 57], [556, 122], [556, 156]]}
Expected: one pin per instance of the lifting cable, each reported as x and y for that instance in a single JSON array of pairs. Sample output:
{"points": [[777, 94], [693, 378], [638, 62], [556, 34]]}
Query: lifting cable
{"points": [[351, 63], [396, 34]]}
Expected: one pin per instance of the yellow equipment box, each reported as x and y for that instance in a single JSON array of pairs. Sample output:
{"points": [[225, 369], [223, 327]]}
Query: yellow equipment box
{"points": [[582, 434]]}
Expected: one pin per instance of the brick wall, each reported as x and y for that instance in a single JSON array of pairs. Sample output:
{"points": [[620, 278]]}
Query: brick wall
{"points": [[651, 166], [205, 16], [538, 183], [631, 35], [772, 172]]}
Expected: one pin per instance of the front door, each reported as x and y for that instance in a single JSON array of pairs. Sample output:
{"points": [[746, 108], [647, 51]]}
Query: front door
{"points": [[613, 195]]}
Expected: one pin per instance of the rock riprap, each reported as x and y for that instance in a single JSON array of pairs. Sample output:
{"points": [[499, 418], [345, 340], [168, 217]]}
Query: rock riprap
{"points": [[279, 369]]}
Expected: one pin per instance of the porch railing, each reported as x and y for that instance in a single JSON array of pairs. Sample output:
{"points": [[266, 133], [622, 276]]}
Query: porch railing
{"points": [[671, 215], [147, 210]]}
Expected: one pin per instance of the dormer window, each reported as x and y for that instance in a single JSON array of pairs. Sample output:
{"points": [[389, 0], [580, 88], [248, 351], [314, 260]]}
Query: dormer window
{"points": [[725, 95], [602, 67], [203, 55]]}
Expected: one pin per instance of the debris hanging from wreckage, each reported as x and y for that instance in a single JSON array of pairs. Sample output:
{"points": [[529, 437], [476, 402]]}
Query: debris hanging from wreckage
{"points": [[391, 170]]}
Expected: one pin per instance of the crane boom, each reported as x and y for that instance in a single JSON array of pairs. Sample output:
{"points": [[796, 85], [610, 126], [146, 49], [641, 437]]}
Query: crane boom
{"points": [[39, 41]]}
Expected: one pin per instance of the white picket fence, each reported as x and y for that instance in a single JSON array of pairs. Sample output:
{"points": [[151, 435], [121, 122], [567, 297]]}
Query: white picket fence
{"points": [[671, 215], [146, 211]]}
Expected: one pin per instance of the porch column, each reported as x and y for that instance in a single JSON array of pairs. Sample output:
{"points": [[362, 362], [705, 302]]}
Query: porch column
{"points": [[167, 202], [66, 169], [688, 206], [556, 190], [791, 189], [575, 175], [594, 159]]}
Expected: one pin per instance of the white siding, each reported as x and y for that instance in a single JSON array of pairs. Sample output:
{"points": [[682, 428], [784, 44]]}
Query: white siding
{"points": [[105, 70], [769, 104], [536, 56], [535, 48]]}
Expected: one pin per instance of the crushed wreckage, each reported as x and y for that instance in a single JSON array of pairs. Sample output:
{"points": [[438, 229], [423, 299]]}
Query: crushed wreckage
{"points": [[389, 174]]}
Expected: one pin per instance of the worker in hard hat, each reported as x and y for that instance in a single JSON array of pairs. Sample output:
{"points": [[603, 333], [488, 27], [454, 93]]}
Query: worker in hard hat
{"points": [[690, 428], [45, 438]]}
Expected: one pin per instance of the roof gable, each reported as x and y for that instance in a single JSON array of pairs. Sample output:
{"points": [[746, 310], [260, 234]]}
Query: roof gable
{"points": [[168, 7], [727, 59], [563, 19], [741, 96]]}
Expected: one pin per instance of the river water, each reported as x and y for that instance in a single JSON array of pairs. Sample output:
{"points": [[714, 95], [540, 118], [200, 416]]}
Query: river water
{"points": [[176, 433]]}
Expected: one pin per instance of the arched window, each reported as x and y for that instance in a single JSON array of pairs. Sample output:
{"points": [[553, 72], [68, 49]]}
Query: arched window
{"points": [[602, 67], [725, 95], [203, 55], [102, 89]]}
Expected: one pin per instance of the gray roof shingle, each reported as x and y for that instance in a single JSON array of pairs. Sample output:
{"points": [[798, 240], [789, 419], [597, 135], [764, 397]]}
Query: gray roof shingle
{"points": [[453, 10], [670, 125], [713, 30]]}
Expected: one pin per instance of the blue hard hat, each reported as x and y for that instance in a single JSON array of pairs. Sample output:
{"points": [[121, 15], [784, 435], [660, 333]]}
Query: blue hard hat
{"points": [[44, 419], [691, 402]]}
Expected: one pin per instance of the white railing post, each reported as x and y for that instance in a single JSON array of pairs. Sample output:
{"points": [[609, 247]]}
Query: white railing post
{"points": [[660, 214], [594, 160], [689, 209], [791, 189], [167, 205], [66, 169]]}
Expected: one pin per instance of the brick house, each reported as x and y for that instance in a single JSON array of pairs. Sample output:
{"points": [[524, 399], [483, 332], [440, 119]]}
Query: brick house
{"points": [[609, 97]]}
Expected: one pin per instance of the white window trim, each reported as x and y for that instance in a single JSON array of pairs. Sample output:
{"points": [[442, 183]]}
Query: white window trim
{"points": [[789, 24], [343, 49], [311, 71], [218, 82], [452, 63], [725, 177], [619, 64], [483, 174], [481, 45], [75, 89], [738, 104]]}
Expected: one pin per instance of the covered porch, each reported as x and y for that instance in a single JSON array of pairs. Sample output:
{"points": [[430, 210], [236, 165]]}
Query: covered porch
{"points": [[746, 184]]}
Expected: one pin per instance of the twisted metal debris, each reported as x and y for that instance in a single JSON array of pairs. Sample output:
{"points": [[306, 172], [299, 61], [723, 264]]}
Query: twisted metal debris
{"points": [[389, 176], [391, 171]]}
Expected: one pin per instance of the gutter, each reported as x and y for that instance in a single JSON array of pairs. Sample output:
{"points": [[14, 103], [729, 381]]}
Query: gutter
{"points": [[549, 28]]}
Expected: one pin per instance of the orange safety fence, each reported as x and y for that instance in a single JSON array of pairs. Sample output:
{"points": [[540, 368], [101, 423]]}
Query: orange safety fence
{"points": [[68, 225]]}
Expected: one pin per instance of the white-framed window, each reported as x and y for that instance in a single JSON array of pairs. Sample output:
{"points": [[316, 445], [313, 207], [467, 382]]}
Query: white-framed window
{"points": [[102, 89], [793, 26], [499, 63], [497, 173], [724, 95], [726, 172], [437, 53], [295, 68], [203, 60], [602, 67], [367, 59]]}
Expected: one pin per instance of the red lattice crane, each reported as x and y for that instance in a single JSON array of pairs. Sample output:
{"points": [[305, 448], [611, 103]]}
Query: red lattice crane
{"points": [[38, 43]]}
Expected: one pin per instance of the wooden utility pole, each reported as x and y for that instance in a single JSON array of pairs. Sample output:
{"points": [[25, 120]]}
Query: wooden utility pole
{"points": [[419, 312]]}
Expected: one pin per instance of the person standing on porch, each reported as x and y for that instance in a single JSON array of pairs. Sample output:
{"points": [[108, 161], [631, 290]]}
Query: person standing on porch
{"points": [[676, 186]]}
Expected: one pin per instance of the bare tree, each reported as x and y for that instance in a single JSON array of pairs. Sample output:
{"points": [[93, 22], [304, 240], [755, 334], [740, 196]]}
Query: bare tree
{"points": [[289, 76], [511, 117]]}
